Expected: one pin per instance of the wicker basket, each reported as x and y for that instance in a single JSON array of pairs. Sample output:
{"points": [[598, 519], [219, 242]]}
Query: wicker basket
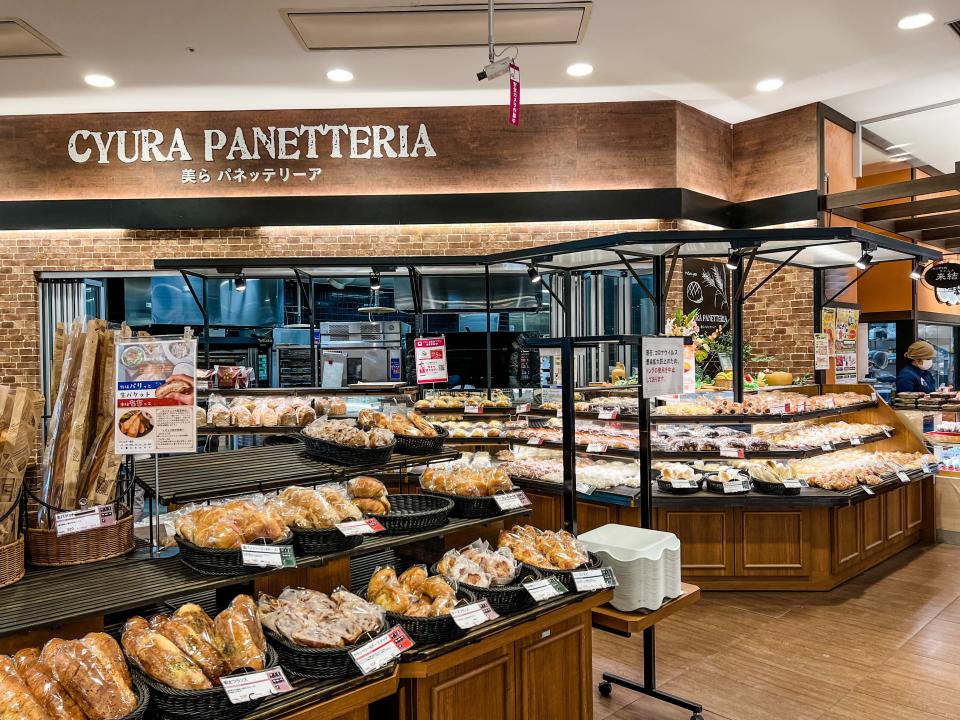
{"points": [[773, 488], [667, 487], [343, 455], [566, 576], [431, 630], [422, 445], [216, 561], [313, 663], [469, 507], [415, 513], [506, 599], [321, 542], [716, 486], [142, 692], [200, 704], [11, 562], [46, 549]]}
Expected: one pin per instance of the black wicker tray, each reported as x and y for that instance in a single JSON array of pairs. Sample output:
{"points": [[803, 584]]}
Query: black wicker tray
{"points": [[422, 445], [198, 704], [667, 487], [343, 455], [427, 631], [506, 599], [715, 486], [566, 576], [142, 692], [769, 488], [415, 513], [314, 663], [321, 542], [214, 561], [470, 507]]}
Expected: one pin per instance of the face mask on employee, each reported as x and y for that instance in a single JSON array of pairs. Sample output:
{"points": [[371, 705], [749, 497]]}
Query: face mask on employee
{"points": [[926, 364]]}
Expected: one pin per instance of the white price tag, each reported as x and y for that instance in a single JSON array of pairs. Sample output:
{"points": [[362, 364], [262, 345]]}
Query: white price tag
{"points": [[887, 433], [607, 415], [360, 527], [473, 409], [731, 452], [596, 448], [683, 484], [856, 441], [559, 412], [735, 486], [380, 651], [930, 469], [512, 501], [867, 489], [535, 441], [472, 615], [592, 580], [244, 688], [268, 555], [524, 408], [585, 488], [92, 518], [902, 474], [545, 589], [792, 484], [827, 447]]}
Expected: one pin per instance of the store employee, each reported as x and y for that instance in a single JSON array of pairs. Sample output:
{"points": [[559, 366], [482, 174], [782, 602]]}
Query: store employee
{"points": [[916, 376]]}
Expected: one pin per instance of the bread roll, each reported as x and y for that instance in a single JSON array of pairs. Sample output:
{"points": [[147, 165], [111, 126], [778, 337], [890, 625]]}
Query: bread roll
{"points": [[363, 486]]}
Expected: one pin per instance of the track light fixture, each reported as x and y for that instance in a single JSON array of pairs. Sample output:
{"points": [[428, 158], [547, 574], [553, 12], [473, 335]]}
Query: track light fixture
{"points": [[731, 262], [916, 272], [866, 258], [374, 280], [239, 282], [534, 275]]}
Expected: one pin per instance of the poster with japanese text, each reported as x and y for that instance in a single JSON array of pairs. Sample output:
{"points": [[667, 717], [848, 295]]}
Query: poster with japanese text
{"points": [[828, 324], [155, 406], [821, 351], [430, 356], [662, 366], [845, 341]]}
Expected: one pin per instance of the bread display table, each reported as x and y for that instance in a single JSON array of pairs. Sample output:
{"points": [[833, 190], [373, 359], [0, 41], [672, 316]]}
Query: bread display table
{"points": [[341, 700]]}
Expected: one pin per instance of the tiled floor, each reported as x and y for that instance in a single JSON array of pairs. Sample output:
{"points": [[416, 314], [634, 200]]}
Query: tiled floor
{"points": [[884, 646]]}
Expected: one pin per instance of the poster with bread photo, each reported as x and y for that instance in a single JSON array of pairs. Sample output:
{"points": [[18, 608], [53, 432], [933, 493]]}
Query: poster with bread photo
{"points": [[156, 402]]}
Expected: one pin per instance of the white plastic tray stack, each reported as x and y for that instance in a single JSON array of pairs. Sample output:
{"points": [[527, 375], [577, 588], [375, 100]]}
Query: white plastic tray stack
{"points": [[646, 563]]}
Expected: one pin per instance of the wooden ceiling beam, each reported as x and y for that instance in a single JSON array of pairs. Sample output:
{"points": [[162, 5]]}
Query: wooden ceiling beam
{"points": [[910, 209], [894, 191], [927, 222], [946, 233]]}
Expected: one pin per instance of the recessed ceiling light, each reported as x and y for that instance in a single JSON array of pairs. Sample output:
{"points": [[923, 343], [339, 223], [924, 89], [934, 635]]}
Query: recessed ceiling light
{"points": [[901, 145], [100, 81], [339, 75], [769, 85], [580, 69], [912, 22]]}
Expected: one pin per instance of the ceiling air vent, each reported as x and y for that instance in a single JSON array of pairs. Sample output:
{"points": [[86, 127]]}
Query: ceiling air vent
{"points": [[955, 26], [19, 40], [426, 26]]}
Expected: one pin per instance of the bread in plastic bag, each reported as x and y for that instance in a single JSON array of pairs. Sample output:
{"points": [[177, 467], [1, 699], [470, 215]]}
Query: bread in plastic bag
{"points": [[192, 643], [54, 698], [160, 658], [239, 630], [93, 673], [16, 700]]}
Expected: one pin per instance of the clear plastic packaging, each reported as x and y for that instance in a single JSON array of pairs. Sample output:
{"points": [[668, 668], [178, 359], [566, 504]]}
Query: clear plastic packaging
{"points": [[160, 658], [185, 636], [94, 674], [544, 548], [54, 698], [241, 634], [16, 700], [313, 619]]}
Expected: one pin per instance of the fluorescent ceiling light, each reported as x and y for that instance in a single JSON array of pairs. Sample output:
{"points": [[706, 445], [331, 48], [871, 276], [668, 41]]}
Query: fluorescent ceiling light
{"points": [[339, 75], [912, 22], [99, 81], [769, 85], [580, 69]]}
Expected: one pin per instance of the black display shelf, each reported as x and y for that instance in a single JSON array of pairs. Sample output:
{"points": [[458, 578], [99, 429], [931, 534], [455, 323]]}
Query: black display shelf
{"points": [[209, 476], [785, 454], [259, 430], [494, 413], [477, 440], [51, 596], [624, 495], [584, 415], [581, 449], [757, 419], [298, 391], [306, 693]]}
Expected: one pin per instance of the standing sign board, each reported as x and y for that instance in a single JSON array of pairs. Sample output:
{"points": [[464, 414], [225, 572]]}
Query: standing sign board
{"points": [[662, 366], [821, 351], [845, 339], [155, 407], [430, 356], [705, 290]]}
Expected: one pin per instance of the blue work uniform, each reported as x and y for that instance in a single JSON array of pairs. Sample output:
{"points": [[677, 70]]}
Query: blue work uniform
{"points": [[913, 379]]}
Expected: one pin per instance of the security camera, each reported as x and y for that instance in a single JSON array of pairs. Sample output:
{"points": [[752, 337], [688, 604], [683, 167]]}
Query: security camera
{"points": [[495, 69]]}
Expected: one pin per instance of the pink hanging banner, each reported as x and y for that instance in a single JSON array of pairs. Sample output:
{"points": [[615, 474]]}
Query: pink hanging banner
{"points": [[514, 95]]}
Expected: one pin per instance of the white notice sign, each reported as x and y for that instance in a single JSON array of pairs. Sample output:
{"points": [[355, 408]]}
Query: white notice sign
{"points": [[821, 351], [662, 370], [430, 355], [93, 518]]}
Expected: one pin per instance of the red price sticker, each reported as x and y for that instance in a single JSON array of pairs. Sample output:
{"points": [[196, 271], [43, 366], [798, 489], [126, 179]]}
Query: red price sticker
{"points": [[368, 526]]}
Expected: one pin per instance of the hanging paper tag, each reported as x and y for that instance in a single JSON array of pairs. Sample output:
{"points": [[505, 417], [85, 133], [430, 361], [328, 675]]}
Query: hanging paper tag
{"points": [[360, 527], [380, 651], [585, 488], [792, 484], [904, 478], [591, 580], [525, 408], [473, 614], [827, 447], [607, 415], [596, 448], [244, 688], [731, 452], [473, 409], [535, 441], [92, 518], [514, 95], [867, 489], [856, 441], [268, 555], [512, 501], [545, 589]]}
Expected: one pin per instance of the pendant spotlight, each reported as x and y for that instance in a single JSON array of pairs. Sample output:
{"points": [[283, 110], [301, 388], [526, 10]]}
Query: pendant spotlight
{"points": [[916, 271], [374, 280], [731, 263], [534, 275], [239, 282], [866, 258]]}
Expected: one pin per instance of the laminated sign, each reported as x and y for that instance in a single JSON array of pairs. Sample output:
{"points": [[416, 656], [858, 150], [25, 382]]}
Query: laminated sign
{"points": [[155, 408], [662, 370], [430, 355]]}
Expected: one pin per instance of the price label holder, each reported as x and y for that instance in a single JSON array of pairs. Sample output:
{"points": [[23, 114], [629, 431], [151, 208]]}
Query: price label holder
{"points": [[473, 409], [380, 651], [244, 688], [92, 518], [792, 484], [930, 469], [856, 441], [593, 580], [469, 616], [827, 447], [680, 484], [867, 489], [546, 588], [607, 414], [512, 501], [536, 441], [731, 452], [585, 488], [278, 556], [596, 448], [735, 486], [524, 408], [360, 527], [902, 474], [887, 433], [559, 412]]}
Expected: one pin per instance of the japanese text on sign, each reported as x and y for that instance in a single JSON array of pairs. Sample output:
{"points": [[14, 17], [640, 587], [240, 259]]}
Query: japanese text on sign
{"points": [[430, 356], [662, 366]]}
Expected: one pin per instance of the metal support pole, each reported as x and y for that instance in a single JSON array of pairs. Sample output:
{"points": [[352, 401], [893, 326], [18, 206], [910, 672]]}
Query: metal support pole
{"points": [[660, 308], [567, 298], [314, 360], [568, 436], [819, 376], [736, 310], [486, 282], [206, 325]]}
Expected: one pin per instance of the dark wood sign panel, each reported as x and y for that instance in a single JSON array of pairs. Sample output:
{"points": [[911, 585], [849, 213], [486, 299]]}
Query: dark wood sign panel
{"points": [[706, 289]]}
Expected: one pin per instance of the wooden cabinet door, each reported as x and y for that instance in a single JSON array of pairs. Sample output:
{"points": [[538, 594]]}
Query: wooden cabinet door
{"points": [[482, 689], [554, 673], [873, 515], [847, 536], [706, 540], [914, 506], [896, 517], [546, 511], [772, 543], [592, 515]]}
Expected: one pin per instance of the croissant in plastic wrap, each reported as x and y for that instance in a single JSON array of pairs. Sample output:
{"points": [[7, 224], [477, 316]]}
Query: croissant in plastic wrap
{"points": [[239, 630], [93, 672], [160, 658], [16, 701], [44, 687], [183, 634]]}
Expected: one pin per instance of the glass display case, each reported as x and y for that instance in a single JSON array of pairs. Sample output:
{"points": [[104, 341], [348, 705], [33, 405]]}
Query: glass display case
{"points": [[882, 357], [943, 339]]}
